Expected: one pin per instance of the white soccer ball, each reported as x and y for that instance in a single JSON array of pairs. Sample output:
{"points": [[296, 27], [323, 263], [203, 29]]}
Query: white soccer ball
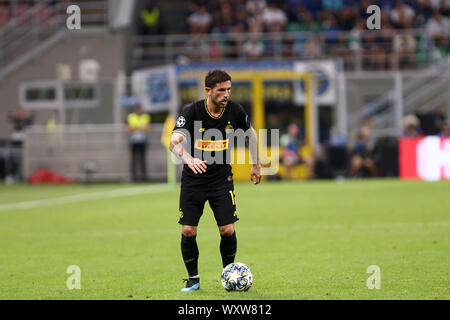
{"points": [[236, 277]]}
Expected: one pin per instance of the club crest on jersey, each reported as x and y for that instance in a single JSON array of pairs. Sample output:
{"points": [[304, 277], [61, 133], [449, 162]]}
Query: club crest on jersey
{"points": [[181, 121], [229, 128], [211, 145]]}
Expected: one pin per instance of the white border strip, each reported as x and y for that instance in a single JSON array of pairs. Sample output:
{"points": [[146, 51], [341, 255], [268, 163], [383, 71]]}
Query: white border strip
{"points": [[84, 197]]}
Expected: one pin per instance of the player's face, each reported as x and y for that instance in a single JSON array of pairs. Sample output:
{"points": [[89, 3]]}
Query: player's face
{"points": [[220, 93]]}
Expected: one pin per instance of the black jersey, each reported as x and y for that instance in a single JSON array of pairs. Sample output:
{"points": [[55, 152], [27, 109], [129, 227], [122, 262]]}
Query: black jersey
{"points": [[210, 139]]}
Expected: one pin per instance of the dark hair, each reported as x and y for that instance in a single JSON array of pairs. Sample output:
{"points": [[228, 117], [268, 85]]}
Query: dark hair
{"points": [[216, 76]]}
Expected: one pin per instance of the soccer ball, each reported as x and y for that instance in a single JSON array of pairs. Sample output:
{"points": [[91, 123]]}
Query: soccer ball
{"points": [[236, 277]]}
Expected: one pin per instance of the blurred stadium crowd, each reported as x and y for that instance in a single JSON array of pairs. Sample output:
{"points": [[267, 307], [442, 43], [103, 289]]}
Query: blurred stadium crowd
{"points": [[248, 29]]}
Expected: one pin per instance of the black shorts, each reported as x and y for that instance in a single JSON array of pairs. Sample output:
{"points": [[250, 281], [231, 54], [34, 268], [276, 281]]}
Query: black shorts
{"points": [[222, 203]]}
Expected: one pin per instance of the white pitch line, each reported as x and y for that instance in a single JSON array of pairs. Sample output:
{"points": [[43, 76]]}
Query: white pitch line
{"points": [[84, 197]]}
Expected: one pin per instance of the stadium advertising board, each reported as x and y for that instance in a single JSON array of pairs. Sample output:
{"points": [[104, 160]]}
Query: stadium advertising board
{"points": [[425, 158], [156, 88], [280, 91], [325, 72]]}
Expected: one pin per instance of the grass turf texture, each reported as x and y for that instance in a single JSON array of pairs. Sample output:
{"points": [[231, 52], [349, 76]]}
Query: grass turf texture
{"points": [[302, 240]]}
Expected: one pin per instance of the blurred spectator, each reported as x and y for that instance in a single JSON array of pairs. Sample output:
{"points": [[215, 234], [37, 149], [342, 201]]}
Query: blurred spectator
{"points": [[195, 49], [314, 6], [150, 20], [330, 29], [304, 21], [440, 116], [138, 129], [445, 129], [274, 19], [411, 126], [362, 8], [361, 155], [288, 48], [434, 5], [387, 5], [253, 48], [386, 20], [404, 47], [20, 119], [356, 35], [214, 50], [233, 44], [438, 28], [311, 48], [332, 5], [402, 16], [373, 55], [223, 18], [254, 9], [347, 15], [241, 19], [200, 21], [342, 49], [445, 7], [386, 46], [290, 155]]}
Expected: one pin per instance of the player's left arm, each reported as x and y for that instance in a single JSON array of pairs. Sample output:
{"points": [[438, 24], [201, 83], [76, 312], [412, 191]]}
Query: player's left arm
{"points": [[244, 123], [255, 172]]}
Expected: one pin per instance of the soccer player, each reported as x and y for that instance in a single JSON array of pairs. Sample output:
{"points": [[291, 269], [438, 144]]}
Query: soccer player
{"points": [[206, 174]]}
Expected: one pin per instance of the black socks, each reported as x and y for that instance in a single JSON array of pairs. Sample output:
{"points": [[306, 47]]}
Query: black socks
{"points": [[228, 248], [189, 250]]}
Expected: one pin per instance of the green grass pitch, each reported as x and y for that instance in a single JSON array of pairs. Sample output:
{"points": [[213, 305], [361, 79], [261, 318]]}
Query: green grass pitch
{"points": [[302, 240]]}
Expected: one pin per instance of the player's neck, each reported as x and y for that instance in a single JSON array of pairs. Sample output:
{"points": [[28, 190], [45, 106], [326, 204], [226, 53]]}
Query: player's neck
{"points": [[212, 108]]}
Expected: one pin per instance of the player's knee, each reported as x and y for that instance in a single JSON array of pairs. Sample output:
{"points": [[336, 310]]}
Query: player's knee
{"points": [[189, 231], [368, 163], [227, 230]]}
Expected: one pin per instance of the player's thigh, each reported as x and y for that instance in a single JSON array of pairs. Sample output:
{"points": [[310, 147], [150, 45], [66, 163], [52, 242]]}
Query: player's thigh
{"points": [[192, 203], [223, 204], [357, 161]]}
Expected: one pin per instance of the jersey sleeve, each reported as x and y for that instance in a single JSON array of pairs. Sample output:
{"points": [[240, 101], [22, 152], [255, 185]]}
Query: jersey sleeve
{"points": [[185, 121], [243, 120]]}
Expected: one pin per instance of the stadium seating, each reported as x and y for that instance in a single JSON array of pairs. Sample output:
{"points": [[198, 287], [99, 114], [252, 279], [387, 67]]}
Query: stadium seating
{"points": [[312, 30]]}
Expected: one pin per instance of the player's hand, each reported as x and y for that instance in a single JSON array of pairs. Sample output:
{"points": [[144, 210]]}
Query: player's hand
{"points": [[255, 174], [197, 165]]}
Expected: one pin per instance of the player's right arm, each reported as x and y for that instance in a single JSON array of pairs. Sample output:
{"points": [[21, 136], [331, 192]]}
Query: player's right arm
{"points": [[176, 146]]}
